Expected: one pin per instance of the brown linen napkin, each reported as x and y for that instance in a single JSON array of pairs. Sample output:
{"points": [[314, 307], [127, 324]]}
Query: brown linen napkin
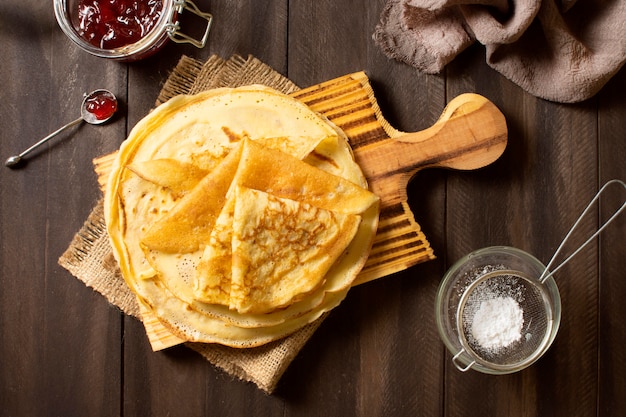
{"points": [[89, 257], [558, 50]]}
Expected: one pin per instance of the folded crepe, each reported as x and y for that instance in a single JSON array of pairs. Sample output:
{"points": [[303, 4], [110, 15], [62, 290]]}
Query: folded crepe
{"points": [[303, 220], [278, 250]]}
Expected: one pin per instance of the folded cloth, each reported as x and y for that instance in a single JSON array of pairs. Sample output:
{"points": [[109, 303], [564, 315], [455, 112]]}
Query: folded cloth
{"points": [[558, 50]]}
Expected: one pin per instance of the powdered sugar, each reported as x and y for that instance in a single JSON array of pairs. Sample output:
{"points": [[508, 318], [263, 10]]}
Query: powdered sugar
{"points": [[497, 323]]}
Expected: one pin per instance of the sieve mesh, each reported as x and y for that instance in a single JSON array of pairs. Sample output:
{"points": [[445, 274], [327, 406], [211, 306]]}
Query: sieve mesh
{"points": [[517, 335]]}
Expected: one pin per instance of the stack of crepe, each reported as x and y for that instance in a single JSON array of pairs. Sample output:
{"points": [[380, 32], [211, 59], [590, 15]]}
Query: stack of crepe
{"points": [[238, 215]]}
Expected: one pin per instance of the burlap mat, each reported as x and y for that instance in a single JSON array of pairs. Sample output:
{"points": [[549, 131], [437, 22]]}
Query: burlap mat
{"points": [[89, 257]]}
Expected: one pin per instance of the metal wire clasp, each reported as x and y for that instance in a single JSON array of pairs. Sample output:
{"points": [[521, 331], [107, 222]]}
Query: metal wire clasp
{"points": [[173, 29], [457, 363]]}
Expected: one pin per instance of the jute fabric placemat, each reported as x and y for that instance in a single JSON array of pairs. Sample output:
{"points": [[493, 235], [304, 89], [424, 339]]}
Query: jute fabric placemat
{"points": [[89, 257]]}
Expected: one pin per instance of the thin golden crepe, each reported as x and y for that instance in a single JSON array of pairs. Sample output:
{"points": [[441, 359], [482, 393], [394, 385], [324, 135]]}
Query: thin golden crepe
{"points": [[206, 131], [179, 177], [317, 234], [262, 169], [281, 250]]}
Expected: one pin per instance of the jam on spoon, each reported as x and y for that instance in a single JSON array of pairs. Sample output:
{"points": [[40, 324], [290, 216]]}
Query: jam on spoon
{"points": [[101, 105], [110, 24], [97, 107]]}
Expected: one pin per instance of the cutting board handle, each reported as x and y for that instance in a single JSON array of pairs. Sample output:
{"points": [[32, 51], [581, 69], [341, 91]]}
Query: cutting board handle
{"points": [[471, 133]]}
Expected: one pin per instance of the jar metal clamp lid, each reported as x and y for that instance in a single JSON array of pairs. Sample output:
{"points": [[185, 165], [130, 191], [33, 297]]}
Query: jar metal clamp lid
{"points": [[173, 28]]}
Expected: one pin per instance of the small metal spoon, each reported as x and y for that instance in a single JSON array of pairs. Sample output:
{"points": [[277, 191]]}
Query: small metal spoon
{"points": [[97, 107]]}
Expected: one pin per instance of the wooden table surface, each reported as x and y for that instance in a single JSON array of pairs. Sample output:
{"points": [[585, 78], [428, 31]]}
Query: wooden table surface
{"points": [[64, 351]]}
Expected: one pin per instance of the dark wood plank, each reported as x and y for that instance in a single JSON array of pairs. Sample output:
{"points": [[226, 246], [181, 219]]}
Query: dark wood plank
{"points": [[82, 330], [612, 332], [245, 27], [68, 333], [22, 231], [529, 199]]}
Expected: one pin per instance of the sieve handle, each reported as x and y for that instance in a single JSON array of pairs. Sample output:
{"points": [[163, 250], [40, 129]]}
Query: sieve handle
{"points": [[545, 273], [458, 364]]}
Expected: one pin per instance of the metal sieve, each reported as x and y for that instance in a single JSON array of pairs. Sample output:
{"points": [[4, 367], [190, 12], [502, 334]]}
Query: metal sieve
{"points": [[524, 344], [519, 293]]}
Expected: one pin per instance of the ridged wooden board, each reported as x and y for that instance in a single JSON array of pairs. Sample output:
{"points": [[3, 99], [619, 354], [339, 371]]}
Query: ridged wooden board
{"points": [[471, 133]]}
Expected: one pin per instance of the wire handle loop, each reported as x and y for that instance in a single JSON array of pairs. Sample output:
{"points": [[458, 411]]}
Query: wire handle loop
{"points": [[545, 273], [458, 365]]}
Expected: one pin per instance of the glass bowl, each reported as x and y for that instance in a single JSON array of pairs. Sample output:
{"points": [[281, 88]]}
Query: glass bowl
{"points": [[473, 270], [163, 22]]}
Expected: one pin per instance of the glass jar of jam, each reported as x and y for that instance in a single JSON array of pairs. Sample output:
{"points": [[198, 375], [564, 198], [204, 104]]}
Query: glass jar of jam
{"points": [[127, 30]]}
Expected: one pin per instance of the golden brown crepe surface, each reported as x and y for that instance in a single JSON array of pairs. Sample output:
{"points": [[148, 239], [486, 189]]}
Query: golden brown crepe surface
{"points": [[161, 235]]}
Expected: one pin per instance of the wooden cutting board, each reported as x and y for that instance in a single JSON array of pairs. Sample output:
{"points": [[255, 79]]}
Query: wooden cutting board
{"points": [[471, 133]]}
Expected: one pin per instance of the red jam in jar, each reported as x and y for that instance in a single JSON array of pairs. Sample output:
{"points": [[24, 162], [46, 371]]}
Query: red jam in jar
{"points": [[102, 105], [110, 24]]}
